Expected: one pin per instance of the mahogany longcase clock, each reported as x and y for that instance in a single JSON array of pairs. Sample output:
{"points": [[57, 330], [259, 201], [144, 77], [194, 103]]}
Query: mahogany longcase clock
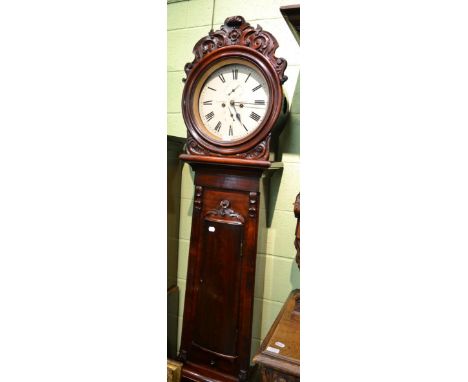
{"points": [[232, 105]]}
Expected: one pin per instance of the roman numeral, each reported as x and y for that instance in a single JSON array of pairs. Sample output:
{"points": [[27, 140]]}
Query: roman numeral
{"points": [[211, 102], [221, 77], [254, 116], [209, 116], [259, 102], [235, 72], [218, 126], [248, 77], [230, 130], [256, 88], [211, 89]]}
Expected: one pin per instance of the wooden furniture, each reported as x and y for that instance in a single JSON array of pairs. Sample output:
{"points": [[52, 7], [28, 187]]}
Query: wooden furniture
{"points": [[233, 106], [292, 15], [174, 174], [297, 244], [174, 371], [279, 354]]}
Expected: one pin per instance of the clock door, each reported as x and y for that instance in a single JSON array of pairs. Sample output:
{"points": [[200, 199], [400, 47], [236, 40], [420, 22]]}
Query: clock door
{"points": [[217, 300]]}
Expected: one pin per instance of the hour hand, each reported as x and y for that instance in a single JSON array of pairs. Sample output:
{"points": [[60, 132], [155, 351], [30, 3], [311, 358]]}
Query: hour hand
{"points": [[237, 114], [230, 112]]}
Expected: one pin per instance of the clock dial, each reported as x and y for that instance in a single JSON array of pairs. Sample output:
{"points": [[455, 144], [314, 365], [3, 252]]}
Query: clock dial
{"points": [[233, 102]]}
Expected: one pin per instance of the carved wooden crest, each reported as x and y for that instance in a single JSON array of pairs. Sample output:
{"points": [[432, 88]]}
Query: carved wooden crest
{"points": [[236, 31]]}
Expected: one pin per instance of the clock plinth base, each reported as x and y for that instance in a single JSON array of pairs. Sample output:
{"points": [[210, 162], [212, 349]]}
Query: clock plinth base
{"points": [[194, 373]]}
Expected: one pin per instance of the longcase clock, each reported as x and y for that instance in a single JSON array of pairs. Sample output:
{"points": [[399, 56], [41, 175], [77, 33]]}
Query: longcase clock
{"points": [[233, 106]]}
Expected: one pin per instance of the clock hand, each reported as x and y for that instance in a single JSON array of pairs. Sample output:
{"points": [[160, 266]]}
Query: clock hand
{"points": [[252, 106], [237, 114], [248, 103], [232, 115], [233, 90]]}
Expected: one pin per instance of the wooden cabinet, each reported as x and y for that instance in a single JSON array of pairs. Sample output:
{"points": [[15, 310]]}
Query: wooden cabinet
{"points": [[174, 370], [279, 354], [174, 174]]}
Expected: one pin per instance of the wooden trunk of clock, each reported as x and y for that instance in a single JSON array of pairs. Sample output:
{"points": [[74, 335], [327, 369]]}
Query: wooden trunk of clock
{"points": [[219, 295], [232, 105]]}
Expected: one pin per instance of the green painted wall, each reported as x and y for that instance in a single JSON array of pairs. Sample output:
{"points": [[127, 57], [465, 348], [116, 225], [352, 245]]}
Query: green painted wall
{"points": [[277, 273]]}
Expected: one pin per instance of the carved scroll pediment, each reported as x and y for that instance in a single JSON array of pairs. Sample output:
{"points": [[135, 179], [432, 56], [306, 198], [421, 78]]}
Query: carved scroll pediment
{"points": [[236, 31], [193, 147], [223, 212]]}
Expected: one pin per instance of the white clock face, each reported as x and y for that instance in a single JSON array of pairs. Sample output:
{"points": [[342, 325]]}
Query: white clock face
{"points": [[233, 102]]}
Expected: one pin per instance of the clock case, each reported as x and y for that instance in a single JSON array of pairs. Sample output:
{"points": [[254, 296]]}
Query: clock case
{"points": [[237, 40], [217, 320]]}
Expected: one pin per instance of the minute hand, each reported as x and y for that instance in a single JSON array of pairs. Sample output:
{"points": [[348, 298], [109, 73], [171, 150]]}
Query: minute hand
{"points": [[249, 103], [237, 114]]}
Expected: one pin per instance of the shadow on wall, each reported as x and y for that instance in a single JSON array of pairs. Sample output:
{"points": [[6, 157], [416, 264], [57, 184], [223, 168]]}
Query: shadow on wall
{"points": [[289, 142]]}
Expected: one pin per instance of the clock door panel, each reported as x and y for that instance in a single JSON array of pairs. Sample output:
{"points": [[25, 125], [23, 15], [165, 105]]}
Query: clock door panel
{"points": [[217, 312]]}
